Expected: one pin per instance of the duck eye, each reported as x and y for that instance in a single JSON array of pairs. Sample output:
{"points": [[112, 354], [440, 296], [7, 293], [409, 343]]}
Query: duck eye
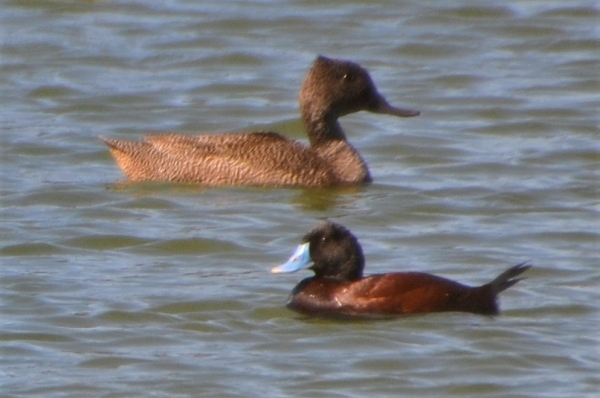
{"points": [[348, 77]]}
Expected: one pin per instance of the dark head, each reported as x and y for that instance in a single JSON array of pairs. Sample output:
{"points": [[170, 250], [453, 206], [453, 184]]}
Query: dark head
{"points": [[333, 252], [335, 88]]}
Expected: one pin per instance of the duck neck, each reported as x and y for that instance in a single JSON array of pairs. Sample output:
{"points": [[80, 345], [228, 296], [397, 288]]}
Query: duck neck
{"points": [[322, 129], [329, 141]]}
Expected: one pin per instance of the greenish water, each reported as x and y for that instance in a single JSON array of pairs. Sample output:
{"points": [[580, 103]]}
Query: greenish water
{"points": [[111, 289]]}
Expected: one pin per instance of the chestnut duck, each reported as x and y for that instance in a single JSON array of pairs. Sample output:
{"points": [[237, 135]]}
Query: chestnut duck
{"points": [[339, 289]]}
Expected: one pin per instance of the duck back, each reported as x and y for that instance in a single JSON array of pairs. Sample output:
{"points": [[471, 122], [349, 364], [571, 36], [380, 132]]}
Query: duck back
{"points": [[399, 293], [261, 159]]}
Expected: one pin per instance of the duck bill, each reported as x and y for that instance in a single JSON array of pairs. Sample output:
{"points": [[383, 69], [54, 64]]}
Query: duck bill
{"points": [[300, 259], [383, 107]]}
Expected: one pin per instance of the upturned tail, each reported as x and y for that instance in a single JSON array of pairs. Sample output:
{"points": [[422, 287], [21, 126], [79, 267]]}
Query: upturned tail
{"points": [[508, 278]]}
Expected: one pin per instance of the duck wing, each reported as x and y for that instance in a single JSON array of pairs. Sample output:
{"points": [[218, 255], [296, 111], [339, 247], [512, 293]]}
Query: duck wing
{"points": [[405, 293]]}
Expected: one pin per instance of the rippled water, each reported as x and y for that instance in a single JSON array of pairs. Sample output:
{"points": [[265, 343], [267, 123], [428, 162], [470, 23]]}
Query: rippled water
{"points": [[110, 289]]}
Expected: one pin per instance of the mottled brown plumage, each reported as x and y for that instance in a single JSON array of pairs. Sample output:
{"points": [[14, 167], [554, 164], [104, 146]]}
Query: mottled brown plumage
{"points": [[332, 88]]}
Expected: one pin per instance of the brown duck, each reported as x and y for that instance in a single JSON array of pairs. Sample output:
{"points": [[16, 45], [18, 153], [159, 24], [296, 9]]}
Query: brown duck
{"points": [[332, 88]]}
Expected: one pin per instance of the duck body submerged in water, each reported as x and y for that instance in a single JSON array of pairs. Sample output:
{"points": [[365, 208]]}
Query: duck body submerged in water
{"points": [[339, 288], [332, 88]]}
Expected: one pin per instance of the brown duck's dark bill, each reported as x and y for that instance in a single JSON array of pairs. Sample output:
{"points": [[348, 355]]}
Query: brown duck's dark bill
{"points": [[385, 108]]}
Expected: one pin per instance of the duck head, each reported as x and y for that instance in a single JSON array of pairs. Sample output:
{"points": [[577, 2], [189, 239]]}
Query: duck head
{"points": [[330, 251], [337, 88]]}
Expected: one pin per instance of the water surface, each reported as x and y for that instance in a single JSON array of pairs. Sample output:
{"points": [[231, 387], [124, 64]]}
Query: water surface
{"points": [[111, 289]]}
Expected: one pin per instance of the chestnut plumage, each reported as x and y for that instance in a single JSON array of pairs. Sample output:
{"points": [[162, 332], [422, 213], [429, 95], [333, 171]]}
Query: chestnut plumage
{"points": [[339, 288]]}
